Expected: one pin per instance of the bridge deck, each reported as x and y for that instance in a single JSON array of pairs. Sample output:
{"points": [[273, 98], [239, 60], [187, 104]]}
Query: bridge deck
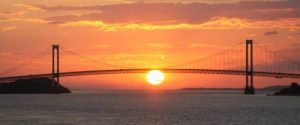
{"points": [[126, 71]]}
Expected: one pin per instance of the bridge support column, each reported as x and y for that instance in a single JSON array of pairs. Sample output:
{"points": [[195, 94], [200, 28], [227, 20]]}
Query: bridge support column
{"points": [[55, 63], [249, 89]]}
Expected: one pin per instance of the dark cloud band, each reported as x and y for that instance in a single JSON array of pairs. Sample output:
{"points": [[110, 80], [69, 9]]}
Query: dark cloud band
{"points": [[180, 13]]}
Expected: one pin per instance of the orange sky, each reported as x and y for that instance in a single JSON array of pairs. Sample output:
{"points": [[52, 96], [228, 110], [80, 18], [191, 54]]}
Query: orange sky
{"points": [[146, 33]]}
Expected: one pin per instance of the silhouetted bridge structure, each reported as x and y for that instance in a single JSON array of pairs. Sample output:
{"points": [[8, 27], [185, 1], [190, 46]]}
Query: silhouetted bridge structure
{"points": [[127, 71], [248, 72]]}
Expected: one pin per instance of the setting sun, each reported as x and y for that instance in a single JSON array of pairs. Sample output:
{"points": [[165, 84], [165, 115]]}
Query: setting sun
{"points": [[155, 77]]}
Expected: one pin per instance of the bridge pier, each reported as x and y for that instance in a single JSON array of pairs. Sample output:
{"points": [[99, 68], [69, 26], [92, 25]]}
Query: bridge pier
{"points": [[55, 65], [249, 89]]}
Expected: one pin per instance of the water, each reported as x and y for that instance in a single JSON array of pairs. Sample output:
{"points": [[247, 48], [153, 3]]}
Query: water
{"points": [[149, 108]]}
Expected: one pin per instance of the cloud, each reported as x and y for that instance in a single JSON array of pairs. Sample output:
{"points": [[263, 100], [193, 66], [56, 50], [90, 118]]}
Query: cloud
{"points": [[198, 45], [192, 13], [12, 14], [124, 26], [24, 14], [158, 45], [270, 33], [217, 23], [29, 7], [7, 28], [6, 12], [26, 20]]}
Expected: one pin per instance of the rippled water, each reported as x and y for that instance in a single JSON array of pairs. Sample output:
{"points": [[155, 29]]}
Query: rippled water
{"points": [[149, 108]]}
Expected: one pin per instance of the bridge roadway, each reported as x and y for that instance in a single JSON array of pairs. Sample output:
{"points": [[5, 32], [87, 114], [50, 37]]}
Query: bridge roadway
{"points": [[145, 70]]}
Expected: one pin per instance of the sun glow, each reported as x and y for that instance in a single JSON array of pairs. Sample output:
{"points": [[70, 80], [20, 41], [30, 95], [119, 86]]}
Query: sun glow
{"points": [[155, 77]]}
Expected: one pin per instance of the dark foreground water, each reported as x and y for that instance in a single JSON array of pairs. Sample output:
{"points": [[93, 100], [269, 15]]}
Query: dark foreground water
{"points": [[149, 108]]}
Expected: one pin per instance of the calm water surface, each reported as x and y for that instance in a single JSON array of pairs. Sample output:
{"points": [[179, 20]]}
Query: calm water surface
{"points": [[116, 107]]}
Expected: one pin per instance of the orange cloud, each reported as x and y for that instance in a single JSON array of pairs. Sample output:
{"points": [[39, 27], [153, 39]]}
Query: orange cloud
{"points": [[236, 23], [276, 10], [123, 26], [158, 45], [7, 28], [26, 20], [28, 7], [217, 23], [198, 45]]}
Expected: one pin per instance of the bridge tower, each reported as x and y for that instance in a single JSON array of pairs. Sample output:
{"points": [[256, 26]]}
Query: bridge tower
{"points": [[55, 63], [249, 89]]}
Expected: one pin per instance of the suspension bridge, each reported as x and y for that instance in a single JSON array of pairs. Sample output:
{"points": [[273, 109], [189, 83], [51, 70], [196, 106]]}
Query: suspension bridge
{"points": [[238, 59]]}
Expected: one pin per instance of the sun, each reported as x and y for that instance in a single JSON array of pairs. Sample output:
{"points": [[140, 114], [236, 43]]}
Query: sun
{"points": [[155, 77]]}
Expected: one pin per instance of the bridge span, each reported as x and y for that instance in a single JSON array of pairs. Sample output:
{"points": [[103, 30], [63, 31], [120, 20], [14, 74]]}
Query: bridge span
{"points": [[145, 70], [278, 65]]}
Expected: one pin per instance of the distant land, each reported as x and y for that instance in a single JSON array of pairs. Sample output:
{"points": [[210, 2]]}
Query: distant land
{"points": [[277, 87], [42, 85], [211, 89], [293, 90], [273, 88]]}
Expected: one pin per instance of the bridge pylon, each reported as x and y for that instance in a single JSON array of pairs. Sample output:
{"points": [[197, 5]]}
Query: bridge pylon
{"points": [[249, 89], [55, 63]]}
